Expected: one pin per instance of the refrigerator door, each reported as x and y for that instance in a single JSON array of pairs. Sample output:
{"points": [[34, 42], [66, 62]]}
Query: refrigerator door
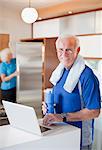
{"points": [[29, 65]]}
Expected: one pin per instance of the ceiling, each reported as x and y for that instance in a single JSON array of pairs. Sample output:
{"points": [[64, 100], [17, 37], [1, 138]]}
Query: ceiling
{"points": [[34, 3], [53, 8]]}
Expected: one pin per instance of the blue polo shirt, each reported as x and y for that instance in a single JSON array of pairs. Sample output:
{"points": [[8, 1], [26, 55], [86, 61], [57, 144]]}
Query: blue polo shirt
{"points": [[71, 102], [8, 69]]}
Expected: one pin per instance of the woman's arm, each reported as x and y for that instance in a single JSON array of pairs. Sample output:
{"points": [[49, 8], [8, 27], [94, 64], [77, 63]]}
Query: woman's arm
{"points": [[7, 78]]}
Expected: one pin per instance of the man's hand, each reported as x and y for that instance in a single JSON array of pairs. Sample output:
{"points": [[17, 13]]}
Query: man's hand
{"points": [[51, 118]]}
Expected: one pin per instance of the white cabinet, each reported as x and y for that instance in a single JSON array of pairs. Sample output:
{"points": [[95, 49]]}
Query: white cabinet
{"points": [[78, 24], [48, 28], [86, 23], [91, 46], [98, 21]]}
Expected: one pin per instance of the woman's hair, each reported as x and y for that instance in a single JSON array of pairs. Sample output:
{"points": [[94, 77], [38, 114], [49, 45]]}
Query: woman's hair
{"points": [[4, 53], [61, 37]]}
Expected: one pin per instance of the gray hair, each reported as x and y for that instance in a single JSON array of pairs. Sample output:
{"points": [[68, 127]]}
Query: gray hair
{"points": [[68, 37], [4, 52]]}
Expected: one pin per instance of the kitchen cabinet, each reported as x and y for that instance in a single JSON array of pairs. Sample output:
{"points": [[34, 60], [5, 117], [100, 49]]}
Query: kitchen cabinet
{"points": [[77, 24], [91, 46], [4, 41]]}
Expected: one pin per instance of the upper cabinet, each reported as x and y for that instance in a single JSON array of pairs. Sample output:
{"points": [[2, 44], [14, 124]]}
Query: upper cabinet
{"points": [[91, 46], [4, 41], [78, 24], [48, 28], [85, 23], [98, 22]]}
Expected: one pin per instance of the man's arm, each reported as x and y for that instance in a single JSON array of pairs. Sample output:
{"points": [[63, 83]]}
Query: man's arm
{"points": [[84, 114], [81, 115]]}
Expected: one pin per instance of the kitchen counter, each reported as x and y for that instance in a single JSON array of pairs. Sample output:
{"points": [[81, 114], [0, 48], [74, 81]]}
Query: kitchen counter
{"points": [[63, 137]]}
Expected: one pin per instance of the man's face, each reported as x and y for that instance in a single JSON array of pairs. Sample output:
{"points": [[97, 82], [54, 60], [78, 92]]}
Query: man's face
{"points": [[66, 51]]}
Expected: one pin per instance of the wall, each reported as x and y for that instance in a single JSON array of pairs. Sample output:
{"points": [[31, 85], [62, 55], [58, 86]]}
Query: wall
{"points": [[11, 23]]}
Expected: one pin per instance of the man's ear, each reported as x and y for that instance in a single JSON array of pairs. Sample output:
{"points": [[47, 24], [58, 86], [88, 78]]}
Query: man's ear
{"points": [[78, 49]]}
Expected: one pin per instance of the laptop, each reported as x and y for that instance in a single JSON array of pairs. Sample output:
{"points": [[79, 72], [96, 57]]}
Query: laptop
{"points": [[24, 117]]}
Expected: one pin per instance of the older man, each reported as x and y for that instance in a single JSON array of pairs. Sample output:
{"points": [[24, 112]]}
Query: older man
{"points": [[72, 107]]}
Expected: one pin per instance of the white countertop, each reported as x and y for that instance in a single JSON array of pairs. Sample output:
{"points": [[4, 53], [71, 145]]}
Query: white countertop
{"points": [[11, 136], [15, 139]]}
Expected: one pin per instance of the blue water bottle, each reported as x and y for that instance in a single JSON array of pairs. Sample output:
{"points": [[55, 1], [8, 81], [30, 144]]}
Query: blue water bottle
{"points": [[49, 100]]}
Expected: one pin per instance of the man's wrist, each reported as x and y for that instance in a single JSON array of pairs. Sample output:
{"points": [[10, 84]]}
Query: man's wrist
{"points": [[64, 117]]}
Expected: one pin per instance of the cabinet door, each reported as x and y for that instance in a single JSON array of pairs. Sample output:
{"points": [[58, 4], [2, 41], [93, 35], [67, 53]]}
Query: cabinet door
{"points": [[50, 61], [47, 28], [78, 24], [98, 21], [4, 41], [91, 46]]}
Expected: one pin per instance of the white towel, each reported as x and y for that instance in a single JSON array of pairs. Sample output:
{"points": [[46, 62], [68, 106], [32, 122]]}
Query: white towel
{"points": [[73, 76]]}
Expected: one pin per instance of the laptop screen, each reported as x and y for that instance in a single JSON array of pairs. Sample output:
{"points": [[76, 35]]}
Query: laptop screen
{"points": [[23, 117]]}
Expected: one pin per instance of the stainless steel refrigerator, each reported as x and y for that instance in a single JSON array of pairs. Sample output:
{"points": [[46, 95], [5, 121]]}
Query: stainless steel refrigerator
{"points": [[29, 65]]}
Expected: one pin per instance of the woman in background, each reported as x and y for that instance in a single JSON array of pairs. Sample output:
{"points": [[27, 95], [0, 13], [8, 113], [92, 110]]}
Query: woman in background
{"points": [[8, 75]]}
